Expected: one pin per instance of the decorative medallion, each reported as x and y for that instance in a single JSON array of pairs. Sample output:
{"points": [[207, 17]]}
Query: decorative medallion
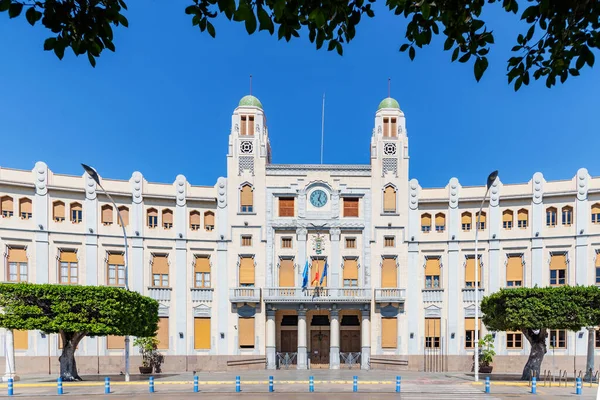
{"points": [[318, 243], [246, 147], [389, 149]]}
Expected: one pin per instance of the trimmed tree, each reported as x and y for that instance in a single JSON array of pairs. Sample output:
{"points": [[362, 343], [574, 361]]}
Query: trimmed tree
{"points": [[533, 311], [75, 312]]}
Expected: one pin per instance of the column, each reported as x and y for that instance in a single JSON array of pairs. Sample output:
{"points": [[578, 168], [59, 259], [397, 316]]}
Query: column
{"points": [[537, 223], [180, 293], [365, 338], [301, 234], [136, 261], [413, 292], [270, 339], [335, 262], [334, 343], [40, 214], [454, 293], [222, 309], [9, 342], [302, 356]]}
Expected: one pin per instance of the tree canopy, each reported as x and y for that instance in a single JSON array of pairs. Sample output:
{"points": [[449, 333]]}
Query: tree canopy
{"points": [[76, 311], [557, 40], [533, 311]]}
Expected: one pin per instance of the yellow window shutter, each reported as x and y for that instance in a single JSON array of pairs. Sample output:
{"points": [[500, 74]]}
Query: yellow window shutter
{"points": [[202, 264], [432, 266], [209, 218], [466, 218], [386, 127], [160, 265], [470, 270], [246, 332], [25, 205], [17, 254], [317, 265], [246, 271], [107, 214], [167, 217], [514, 268], [115, 342], [389, 333], [432, 327], [470, 324], [350, 268], [21, 339], [68, 256], [246, 195], [507, 216], [116, 259], [389, 276], [243, 128], [440, 220], [389, 199], [286, 273], [194, 218], [59, 209], [163, 333], [425, 220], [597, 260], [558, 261], [394, 128], [124, 211], [202, 333]]}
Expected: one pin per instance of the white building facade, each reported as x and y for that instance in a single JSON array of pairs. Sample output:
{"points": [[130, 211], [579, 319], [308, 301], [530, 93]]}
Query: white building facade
{"points": [[227, 262]]}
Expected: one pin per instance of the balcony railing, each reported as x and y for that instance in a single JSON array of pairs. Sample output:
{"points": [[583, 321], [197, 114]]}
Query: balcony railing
{"points": [[295, 294], [469, 295], [433, 295], [244, 294], [160, 293], [392, 295], [202, 294]]}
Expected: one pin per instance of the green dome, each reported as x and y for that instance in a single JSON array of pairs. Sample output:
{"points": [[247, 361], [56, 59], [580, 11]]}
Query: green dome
{"points": [[251, 101], [388, 102]]}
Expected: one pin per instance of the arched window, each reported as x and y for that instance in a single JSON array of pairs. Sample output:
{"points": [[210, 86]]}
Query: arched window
{"points": [[246, 199], [440, 222], [58, 211], [167, 218], [25, 208], [523, 218], [124, 211], [194, 220], [6, 206], [425, 222], [596, 213], [507, 219], [390, 127], [481, 220], [466, 220], [247, 125], [107, 214], [389, 200], [76, 213], [209, 220], [567, 215], [551, 216], [152, 218]]}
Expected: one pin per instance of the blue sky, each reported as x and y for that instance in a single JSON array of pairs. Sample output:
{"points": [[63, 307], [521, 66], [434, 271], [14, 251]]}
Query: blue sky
{"points": [[162, 103]]}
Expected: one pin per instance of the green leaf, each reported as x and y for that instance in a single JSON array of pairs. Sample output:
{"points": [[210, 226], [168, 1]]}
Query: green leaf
{"points": [[411, 53], [455, 54], [49, 44], [32, 15], [479, 67], [4, 5], [91, 59], [425, 9], [122, 20], [15, 10], [265, 21], [404, 47], [211, 29], [465, 58], [518, 83], [448, 43], [318, 17], [251, 23]]}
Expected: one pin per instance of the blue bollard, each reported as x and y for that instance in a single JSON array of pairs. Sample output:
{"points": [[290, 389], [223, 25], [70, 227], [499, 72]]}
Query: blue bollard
{"points": [[487, 384], [311, 384], [355, 384], [107, 385], [195, 384], [10, 387], [533, 385], [59, 388], [398, 380], [151, 384], [578, 386], [270, 383], [237, 384]]}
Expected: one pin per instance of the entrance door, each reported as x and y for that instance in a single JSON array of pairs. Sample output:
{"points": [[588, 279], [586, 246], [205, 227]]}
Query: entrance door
{"points": [[289, 347], [350, 342], [319, 349]]}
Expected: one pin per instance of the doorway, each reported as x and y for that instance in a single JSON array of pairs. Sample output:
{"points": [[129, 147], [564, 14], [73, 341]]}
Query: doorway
{"points": [[319, 349]]}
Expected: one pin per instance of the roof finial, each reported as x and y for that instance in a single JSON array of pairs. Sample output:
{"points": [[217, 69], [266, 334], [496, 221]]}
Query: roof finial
{"points": [[389, 87], [250, 84]]}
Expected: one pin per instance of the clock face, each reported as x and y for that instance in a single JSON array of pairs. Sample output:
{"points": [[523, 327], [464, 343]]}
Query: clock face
{"points": [[318, 198]]}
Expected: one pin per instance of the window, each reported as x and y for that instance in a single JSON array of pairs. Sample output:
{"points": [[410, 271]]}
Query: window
{"points": [[481, 220], [389, 241], [567, 215], [389, 200], [17, 264], [21, 339], [286, 206], [432, 272], [466, 221], [389, 333], [107, 214], [246, 271], [426, 223], [286, 272], [318, 264], [246, 199], [470, 272], [194, 220], [440, 222], [247, 125], [558, 269], [596, 213], [558, 338], [470, 332], [389, 273], [522, 218], [551, 216], [514, 340], [350, 243], [246, 240], [167, 218], [350, 206], [124, 212], [246, 332], [507, 219], [152, 218], [6, 205], [350, 273], [202, 272], [433, 332], [116, 269], [160, 271], [68, 267], [286, 243], [514, 270], [389, 127], [597, 265], [58, 211], [201, 333], [209, 221], [25, 208], [162, 334], [115, 342], [76, 213]]}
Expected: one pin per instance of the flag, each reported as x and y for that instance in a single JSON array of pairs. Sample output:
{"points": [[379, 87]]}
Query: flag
{"points": [[305, 276], [316, 277], [324, 274]]}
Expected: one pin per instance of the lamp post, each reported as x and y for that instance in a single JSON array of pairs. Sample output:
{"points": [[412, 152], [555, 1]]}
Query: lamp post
{"points": [[490, 181], [94, 175]]}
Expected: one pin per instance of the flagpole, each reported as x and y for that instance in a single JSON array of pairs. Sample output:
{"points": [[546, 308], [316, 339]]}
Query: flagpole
{"points": [[322, 126]]}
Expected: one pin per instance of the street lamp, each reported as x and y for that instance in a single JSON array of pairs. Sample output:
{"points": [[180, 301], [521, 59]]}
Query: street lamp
{"points": [[490, 181], [94, 175]]}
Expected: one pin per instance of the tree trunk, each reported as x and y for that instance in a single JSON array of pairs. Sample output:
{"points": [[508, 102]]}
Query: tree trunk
{"points": [[589, 365], [68, 367], [536, 356]]}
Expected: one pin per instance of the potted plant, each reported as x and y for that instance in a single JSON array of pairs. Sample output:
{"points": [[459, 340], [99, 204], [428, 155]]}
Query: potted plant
{"points": [[151, 357], [486, 354]]}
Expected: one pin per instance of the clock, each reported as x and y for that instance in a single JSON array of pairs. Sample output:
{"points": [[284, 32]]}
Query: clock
{"points": [[318, 198]]}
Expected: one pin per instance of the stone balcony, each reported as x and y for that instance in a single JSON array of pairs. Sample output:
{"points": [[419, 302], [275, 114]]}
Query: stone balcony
{"points": [[433, 295], [317, 295], [202, 294], [469, 295], [160, 293], [390, 295], [244, 295]]}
